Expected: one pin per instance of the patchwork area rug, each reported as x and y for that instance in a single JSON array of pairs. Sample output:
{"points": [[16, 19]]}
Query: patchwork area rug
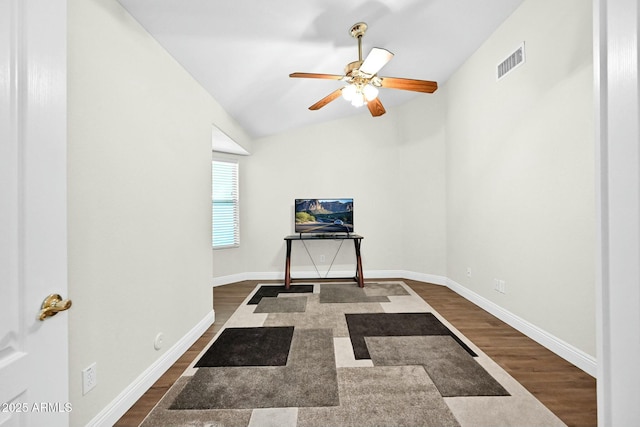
{"points": [[334, 354]]}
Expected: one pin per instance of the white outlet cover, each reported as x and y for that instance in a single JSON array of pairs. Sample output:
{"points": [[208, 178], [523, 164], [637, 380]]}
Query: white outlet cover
{"points": [[159, 341], [89, 378]]}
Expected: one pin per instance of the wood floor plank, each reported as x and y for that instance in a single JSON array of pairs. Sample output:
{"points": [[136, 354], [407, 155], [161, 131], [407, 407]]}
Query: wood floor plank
{"points": [[566, 390]]}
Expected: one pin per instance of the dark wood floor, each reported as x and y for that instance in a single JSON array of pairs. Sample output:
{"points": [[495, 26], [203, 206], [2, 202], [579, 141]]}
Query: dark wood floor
{"points": [[566, 390]]}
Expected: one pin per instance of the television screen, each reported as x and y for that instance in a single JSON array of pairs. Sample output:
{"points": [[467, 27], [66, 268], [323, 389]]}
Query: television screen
{"points": [[324, 215]]}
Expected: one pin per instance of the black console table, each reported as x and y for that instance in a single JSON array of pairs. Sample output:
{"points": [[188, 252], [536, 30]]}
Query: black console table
{"points": [[357, 239]]}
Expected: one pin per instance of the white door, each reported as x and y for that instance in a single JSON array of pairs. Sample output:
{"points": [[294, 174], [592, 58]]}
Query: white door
{"points": [[33, 243]]}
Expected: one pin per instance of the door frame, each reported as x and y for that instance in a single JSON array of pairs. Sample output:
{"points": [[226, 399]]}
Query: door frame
{"points": [[617, 99]]}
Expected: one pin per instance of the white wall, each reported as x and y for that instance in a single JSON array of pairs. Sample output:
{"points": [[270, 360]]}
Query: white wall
{"points": [[393, 168], [421, 170], [495, 178], [500, 177], [520, 171], [139, 203]]}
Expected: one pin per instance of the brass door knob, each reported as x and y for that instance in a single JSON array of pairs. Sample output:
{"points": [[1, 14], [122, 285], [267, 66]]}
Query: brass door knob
{"points": [[52, 305]]}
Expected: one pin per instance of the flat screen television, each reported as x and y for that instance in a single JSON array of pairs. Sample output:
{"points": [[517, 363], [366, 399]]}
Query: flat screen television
{"points": [[322, 216]]}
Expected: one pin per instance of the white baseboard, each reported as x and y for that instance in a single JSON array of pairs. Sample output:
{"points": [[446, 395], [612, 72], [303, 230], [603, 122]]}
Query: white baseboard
{"points": [[125, 400], [423, 277], [378, 274], [278, 275], [568, 352], [232, 278]]}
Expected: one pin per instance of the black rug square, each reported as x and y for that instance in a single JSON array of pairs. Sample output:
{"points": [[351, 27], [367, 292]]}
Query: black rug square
{"points": [[273, 291], [249, 347], [394, 324], [308, 380]]}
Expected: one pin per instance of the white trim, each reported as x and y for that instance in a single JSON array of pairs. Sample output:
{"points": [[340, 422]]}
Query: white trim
{"points": [[423, 277], [568, 352], [233, 278], [616, 34], [128, 397], [222, 143], [563, 349], [600, 81], [378, 274]]}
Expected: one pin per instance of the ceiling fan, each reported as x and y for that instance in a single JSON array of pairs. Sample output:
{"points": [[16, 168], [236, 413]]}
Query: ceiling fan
{"points": [[362, 78]]}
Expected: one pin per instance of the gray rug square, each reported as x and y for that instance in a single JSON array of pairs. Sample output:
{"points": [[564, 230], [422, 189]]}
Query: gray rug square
{"points": [[383, 396], [162, 416], [309, 379], [452, 369], [324, 316], [282, 305], [338, 293], [384, 289]]}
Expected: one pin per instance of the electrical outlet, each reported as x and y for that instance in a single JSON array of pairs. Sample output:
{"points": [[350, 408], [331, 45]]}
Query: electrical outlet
{"points": [[500, 286], [468, 271], [89, 378]]}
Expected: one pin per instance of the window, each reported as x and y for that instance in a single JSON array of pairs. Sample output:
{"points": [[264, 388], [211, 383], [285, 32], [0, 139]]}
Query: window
{"points": [[225, 215]]}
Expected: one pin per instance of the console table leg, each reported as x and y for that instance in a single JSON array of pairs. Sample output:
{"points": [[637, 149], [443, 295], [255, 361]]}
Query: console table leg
{"points": [[287, 267], [359, 276]]}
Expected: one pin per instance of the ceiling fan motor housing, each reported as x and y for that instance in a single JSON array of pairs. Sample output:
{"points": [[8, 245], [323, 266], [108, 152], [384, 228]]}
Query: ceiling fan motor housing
{"points": [[348, 70]]}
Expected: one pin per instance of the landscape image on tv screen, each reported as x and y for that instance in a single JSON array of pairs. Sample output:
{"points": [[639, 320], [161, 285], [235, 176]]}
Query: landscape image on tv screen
{"points": [[324, 215]]}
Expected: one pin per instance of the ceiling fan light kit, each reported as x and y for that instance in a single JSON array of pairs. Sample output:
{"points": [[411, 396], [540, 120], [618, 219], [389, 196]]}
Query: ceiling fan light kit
{"points": [[359, 95], [362, 78]]}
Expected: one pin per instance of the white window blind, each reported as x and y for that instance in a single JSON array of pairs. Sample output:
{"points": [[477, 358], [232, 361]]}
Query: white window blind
{"points": [[225, 201]]}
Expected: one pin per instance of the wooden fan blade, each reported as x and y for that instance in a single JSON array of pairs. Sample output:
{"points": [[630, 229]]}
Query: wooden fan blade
{"points": [[409, 84], [316, 76], [327, 99], [376, 108], [376, 59]]}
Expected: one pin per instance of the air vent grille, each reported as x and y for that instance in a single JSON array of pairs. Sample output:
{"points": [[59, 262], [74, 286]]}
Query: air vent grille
{"points": [[512, 62]]}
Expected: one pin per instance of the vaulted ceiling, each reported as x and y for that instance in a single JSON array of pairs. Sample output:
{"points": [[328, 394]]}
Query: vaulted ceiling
{"points": [[242, 51]]}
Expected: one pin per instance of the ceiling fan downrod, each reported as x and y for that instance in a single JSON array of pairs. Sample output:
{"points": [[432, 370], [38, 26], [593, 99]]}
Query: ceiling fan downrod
{"points": [[357, 31]]}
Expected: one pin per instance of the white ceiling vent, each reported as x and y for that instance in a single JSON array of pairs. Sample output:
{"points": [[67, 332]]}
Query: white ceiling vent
{"points": [[512, 62]]}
